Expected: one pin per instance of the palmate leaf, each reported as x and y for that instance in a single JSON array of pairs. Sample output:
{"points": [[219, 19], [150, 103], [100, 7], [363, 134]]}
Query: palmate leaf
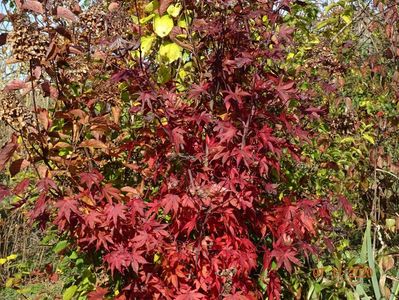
{"points": [[286, 257]]}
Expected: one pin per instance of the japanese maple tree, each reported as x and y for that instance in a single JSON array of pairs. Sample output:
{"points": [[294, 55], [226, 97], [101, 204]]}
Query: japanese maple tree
{"points": [[162, 150]]}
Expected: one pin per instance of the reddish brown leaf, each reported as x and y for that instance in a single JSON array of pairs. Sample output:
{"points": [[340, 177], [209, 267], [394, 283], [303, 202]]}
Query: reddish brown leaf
{"points": [[3, 38], [63, 12], [7, 151], [98, 294], [163, 6], [21, 187], [113, 6], [17, 165], [43, 118], [94, 144], [15, 84], [34, 6], [4, 192]]}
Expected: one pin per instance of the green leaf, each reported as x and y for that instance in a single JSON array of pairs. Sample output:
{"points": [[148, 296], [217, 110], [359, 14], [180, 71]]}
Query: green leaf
{"points": [[69, 292], [170, 52], [73, 255], [163, 25], [146, 43], [61, 245], [174, 9]]}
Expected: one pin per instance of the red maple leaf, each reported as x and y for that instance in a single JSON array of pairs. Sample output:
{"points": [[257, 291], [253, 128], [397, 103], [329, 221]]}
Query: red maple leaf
{"points": [[21, 187], [67, 206], [114, 212], [197, 90], [136, 259], [170, 202], [226, 131], [177, 137], [110, 192], [285, 256], [274, 286], [92, 219], [91, 178], [190, 296], [118, 259], [237, 95]]}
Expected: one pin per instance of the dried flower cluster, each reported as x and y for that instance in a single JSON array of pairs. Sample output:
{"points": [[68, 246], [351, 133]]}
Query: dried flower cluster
{"points": [[13, 112], [92, 22], [28, 42]]}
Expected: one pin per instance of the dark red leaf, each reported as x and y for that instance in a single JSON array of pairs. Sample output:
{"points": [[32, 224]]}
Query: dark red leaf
{"points": [[4, 192], [17, 165], [3, 38], [7, 151], [21, 187]]}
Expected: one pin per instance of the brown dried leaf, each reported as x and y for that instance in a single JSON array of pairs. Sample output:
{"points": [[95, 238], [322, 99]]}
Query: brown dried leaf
{"points": [[63, 12], [387, 263], [51, 51], [37, 72], [61, 145], [113, 6], [43, 118], [15, 84], [93, 144], [116, 114], [64, 32], [34, 6]]}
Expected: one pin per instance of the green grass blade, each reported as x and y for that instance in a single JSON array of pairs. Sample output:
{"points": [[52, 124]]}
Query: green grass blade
{"points": [[370, 258]]}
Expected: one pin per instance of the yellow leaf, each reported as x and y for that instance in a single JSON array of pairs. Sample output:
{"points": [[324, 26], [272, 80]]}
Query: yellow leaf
{"points": [[3, 261], [150, 7], [347, 19], [170, 52], [174, 9], [163, 25], [9, 282], [146, 43], [369, 138], [12, 257]]}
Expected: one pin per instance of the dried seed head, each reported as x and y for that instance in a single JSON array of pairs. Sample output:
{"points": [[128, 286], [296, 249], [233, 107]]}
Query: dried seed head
{"points": [[13, 112], [27, 42]]}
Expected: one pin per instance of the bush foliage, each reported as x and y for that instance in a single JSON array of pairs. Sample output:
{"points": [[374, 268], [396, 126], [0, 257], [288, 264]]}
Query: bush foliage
{"points": [[206, 149]]}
